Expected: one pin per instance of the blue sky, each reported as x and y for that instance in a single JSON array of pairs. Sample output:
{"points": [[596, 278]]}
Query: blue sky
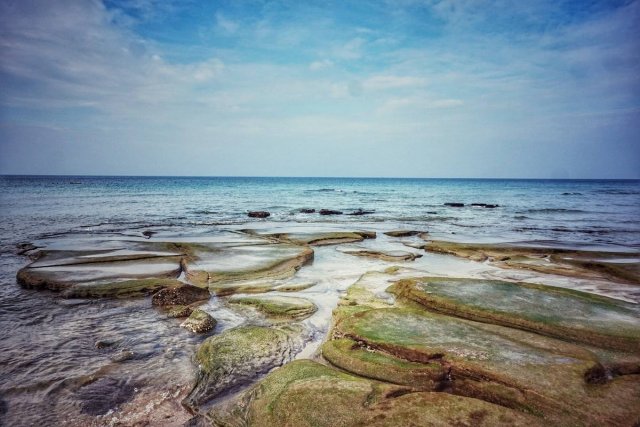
{"points": [[421, 88]]}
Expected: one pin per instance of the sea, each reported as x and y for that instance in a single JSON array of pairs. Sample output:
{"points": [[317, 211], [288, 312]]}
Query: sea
{"points": [[50, 366]]}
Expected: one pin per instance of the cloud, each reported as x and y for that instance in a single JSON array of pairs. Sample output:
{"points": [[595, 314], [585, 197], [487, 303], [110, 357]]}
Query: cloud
{"points": [[320, 65], [226, 24], [384, 82]]}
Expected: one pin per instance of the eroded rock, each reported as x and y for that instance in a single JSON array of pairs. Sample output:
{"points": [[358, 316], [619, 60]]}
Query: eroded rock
{"points": [[278, 307], [181, 295], [199, 321], [258, 214]]}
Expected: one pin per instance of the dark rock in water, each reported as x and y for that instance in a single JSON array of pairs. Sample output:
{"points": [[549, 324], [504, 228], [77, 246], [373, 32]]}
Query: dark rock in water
{"points": [[403, 233], [148, 233], [183, 295], [484, 205], [199, 322], [104, 344], [23, 248], [98, 397], [329, 212], [431, 213], [307, 211], [258, 214], [361, 212], [454, 205], [123, 356]]}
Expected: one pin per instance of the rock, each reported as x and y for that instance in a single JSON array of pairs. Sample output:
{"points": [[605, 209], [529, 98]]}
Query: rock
{"points": [[279, 307], [545, 310], [306, 393], [182, 295], [320, 238], [123, 356], [126, 288], [307, 210], [330, 212], [199, 322], [104, 394], [148, 233], [234, 358], [101, 344], [454, 204], [403, 233], [23, 248], [258, 214], [179, 311], [359, 212]]}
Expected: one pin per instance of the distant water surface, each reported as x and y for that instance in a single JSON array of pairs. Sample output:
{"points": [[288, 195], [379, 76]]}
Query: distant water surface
{"points": [[571, 211]]}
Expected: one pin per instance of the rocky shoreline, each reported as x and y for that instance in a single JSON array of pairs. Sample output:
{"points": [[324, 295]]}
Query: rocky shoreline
{"points": [[401, 344]]}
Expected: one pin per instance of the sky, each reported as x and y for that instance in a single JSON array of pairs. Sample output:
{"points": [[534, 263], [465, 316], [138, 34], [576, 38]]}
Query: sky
{"points": [[404, 88]]}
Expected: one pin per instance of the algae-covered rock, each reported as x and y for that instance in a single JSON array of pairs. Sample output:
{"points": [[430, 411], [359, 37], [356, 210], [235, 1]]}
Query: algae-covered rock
{"points": [[306, 393], [199, 321], [118, 289], [235, 357], [551, 260], [258, 214], [179, 311], [558, 312], [181, 295], [317, 238], [278, 307], [512, 368]]}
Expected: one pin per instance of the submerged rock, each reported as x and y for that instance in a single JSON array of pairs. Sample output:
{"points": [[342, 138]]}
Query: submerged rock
{"points": [[236, 357], [199, 321], [330, 212], [307, 210], [485, 205], [454, 204], [359, 212], [279, 307], [258, 214], [182, 295], [179, 311], [104, 394]]}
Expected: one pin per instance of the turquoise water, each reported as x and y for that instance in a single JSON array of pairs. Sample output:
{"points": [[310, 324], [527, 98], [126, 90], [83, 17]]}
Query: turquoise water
{"points": [[568, 211]]}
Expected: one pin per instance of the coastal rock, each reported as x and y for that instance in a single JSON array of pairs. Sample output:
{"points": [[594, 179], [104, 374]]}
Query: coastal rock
{"points": [[278, 307], [454, 204], [305, 393], [403, 233], [545, 310], [182, 295], [236, 357], [148, 233], [330, 212], [319, 238], [123, 289], [258, 214], [548, 260], [199, 322], [307, 211], [179, 311]]}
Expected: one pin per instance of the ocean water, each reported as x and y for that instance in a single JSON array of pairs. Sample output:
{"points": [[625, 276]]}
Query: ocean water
{"points": [[569, 211], [51, 368]]}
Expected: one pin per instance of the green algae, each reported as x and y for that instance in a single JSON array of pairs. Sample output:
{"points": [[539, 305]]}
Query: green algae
{"points": [[306, 393], [278, 306], [558, 312]]}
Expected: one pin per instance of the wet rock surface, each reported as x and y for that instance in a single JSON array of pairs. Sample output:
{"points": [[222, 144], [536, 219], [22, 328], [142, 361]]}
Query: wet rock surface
{"points": [[199, 321], [278, 307], [182, 295], [258, 214]]}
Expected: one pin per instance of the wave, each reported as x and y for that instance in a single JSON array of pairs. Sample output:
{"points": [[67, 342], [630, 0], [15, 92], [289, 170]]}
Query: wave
{"points": [[555, 210]]}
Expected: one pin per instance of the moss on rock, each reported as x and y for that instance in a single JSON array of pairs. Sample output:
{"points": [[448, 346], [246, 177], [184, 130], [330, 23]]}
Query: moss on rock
{"points": [[278, 307]]}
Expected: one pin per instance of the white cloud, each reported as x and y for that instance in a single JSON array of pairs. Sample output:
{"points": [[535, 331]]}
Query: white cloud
{"points": [[384, 82]]}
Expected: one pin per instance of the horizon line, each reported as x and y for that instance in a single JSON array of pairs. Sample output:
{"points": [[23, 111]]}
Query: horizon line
{"points": [[311, 177]]}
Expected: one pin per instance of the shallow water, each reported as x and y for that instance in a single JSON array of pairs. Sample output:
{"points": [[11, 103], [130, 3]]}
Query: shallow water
{"points": [[52, 368]]}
